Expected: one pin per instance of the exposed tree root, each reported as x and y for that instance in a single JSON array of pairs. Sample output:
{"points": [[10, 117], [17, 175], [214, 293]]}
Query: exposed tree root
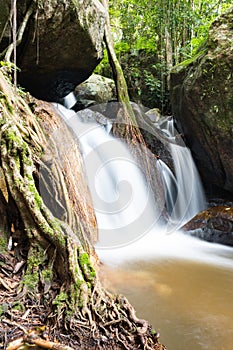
{"points": [[57, 282]]}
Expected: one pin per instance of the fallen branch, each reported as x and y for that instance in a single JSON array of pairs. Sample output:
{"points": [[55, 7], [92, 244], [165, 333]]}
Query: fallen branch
{"points": [[32, 338], [14, 324], [16, 344]]}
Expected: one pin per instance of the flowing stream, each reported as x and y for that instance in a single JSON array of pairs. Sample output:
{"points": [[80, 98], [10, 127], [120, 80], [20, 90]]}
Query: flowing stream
{"points": [[180, 284]]}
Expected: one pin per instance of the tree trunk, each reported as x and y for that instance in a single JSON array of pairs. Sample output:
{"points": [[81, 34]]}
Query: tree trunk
{"points": [[126, 125], [128, 122], [48, 279]]}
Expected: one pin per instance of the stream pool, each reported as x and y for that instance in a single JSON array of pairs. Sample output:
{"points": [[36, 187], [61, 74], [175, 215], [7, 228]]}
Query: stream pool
{"points": [[187, 297]]}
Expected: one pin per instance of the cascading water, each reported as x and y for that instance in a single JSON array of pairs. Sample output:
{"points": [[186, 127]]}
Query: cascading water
{"points": [[172, 275], [123, 202], [169, 183], [124, 205], [183, 190]]}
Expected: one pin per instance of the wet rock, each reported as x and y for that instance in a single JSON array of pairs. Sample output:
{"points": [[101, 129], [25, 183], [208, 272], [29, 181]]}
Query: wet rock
{"points": [[213, 225], [202, 103], [157, 142]]}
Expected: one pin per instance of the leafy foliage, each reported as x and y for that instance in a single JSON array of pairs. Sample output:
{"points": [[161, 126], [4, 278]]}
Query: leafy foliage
{"points": [[169, 30]]}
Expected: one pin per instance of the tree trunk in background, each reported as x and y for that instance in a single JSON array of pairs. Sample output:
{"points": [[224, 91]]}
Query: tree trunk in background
{"points": [[126, 125], [55, 283], [128, 116]]}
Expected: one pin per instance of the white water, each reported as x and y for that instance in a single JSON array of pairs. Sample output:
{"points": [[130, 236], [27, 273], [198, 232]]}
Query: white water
{"points": [[126, 214], [123, 202], [190, 198], [70, 100], [124, 205], [169, 184], [183, 190], [171, 280]]}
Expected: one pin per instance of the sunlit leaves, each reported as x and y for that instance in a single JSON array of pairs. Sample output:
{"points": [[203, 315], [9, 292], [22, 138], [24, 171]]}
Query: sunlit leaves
{"points": [[143, 23], [170, 31]]}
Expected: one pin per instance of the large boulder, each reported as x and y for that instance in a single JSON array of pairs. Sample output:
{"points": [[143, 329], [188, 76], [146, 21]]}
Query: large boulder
{"points": [[202, 103], [61, 46], [95, 90]]}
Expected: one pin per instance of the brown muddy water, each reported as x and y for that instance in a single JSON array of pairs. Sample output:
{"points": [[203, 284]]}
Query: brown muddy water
{"points": [[187, 295]]}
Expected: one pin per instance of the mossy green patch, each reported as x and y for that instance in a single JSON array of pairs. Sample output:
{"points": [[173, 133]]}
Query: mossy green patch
{"points": [[6, 103], [3, 243], [18, 306], [54, 229], [60, 300], [47, 275], [10, 135], [32, 188], [31, 280], [35, 259], [86, 266]]}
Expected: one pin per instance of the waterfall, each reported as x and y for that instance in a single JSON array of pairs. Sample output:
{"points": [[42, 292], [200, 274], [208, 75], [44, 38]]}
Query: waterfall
{"points": [[123, 201], [70, 100], [190, 199], [124, 204], [170, 186], [164, 275], [183, 189]]}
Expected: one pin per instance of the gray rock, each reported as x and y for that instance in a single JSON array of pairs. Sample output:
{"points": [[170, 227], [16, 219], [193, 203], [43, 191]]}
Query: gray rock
{"points": [[61, 46], [95, 90]]}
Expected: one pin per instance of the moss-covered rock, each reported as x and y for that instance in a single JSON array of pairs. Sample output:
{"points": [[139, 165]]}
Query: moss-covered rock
{"points": [[202, 102]]}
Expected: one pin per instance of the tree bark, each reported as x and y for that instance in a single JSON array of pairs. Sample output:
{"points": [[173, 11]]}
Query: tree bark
{"points": [[58, 285]]}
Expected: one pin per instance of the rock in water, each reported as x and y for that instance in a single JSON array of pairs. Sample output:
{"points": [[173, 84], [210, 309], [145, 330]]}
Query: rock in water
{"points": [[214, 225]]}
